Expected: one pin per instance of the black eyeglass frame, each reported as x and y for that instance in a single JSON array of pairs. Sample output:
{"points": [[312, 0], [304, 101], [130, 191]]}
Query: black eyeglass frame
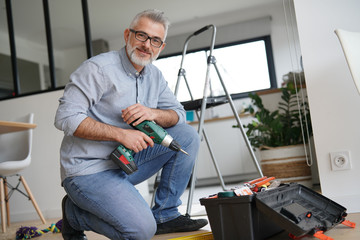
{"points": [[148, 37]]}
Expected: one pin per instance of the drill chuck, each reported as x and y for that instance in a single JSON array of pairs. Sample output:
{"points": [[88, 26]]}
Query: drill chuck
{"points": [[166, 142], [175, 146], [169, 142]]}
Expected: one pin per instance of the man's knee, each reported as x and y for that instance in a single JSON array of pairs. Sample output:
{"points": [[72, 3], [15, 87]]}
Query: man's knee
{"points": [[145, 231], [139, 230], [192, 132], [192, 137], [186, 134]]}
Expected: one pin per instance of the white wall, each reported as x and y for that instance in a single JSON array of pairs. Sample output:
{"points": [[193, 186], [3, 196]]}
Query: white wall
{"points": [[334, 100]]}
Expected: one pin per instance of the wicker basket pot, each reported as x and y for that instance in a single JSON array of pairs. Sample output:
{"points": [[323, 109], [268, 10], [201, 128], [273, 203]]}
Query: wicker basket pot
{"points": [[287, 164]]}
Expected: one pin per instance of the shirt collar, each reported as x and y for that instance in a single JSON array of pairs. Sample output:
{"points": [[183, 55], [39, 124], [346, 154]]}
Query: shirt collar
{"points": [[128, 67]]}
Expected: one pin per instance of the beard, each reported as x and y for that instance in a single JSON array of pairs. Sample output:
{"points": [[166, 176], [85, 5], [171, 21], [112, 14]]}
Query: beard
{"points": [[137, 59]]}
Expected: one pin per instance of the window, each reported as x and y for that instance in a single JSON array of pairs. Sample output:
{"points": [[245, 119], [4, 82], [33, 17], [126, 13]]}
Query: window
{"points": [[31, 60], [244, 67]]}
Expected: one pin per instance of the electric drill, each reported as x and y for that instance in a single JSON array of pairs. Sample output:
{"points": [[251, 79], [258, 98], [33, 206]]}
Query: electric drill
{"points": [[122, 156]]}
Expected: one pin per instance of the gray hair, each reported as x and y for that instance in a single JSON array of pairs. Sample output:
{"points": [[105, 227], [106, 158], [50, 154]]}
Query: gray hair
{"points": [[155, 15]]}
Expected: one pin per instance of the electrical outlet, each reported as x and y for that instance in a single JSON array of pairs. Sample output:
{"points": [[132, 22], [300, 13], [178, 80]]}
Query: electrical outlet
{"points": [[340, 160]]}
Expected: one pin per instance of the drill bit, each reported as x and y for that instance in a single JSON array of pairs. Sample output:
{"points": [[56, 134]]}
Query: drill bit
{"points": [[184, 151]]}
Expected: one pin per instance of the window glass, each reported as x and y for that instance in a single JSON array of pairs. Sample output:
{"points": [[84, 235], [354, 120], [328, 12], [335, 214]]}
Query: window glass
{"points": [[29, 54], [243, 68], [6, 79], [69, 49]]}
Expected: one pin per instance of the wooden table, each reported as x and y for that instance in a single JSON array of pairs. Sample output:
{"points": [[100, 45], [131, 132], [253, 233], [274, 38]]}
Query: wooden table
{"points": [[7, 126]]}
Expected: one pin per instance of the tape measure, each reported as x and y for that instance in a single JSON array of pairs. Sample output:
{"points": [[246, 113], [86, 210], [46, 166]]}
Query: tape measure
{"points": [[199, 236]]}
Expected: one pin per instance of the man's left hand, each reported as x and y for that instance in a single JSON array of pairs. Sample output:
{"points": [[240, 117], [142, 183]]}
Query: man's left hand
{"points": [[137, 113]]}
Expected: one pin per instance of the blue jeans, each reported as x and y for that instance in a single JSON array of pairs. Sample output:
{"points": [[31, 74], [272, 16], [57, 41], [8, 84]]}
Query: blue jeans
{"points": [[109, 204]]}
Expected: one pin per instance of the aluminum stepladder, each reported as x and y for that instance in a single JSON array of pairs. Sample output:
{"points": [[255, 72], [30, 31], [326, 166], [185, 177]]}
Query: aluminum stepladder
{"points": [[201, 131]]}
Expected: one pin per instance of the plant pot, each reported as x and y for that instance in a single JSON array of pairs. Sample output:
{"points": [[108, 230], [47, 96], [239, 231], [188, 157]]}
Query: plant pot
{"points": [[287, 164]]}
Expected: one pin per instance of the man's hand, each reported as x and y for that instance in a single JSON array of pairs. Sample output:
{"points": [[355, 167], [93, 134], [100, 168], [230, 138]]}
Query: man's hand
{"points": [[140, 113], [136, 140]]}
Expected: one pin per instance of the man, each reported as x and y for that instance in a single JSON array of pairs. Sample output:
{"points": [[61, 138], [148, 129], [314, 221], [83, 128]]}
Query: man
{"points": [[104, 95]]}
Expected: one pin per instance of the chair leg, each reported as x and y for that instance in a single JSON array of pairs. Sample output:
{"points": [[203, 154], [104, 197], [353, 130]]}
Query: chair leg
{"points": [[7, 202], [2, 201], [22, 179]]}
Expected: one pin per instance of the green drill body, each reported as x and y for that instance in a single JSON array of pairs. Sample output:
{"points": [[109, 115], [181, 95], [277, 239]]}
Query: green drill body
{"points": [[123, 156]]}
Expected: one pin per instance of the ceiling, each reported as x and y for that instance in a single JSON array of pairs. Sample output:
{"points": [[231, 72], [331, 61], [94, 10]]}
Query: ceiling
{"points": [[108, 18]]}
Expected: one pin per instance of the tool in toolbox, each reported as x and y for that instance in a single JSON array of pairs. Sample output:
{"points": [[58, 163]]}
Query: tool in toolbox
{"points": [[123, 156], [242, 191], [256, 184], [249, 188]]}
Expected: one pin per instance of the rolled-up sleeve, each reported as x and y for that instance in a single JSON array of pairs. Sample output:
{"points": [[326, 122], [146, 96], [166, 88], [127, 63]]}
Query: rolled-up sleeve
{"points": [[80, 94]]}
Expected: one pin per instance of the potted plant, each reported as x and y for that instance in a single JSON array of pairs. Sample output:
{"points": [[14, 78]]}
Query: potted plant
{"points": [[280, 134]]}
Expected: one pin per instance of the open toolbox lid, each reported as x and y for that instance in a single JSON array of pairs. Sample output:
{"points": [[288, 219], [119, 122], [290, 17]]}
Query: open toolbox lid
{"points": [[300, 210]]}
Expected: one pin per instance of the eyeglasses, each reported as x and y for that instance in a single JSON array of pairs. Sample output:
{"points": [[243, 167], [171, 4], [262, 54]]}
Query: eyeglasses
{"points": [[143, 37]]}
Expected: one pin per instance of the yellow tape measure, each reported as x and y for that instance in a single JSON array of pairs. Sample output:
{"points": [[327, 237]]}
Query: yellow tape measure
{"points": [[199, 236]]}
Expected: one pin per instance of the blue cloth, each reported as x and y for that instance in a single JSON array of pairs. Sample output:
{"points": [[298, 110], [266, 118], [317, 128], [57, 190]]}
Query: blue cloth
{"points": [[108, 203], [102, 198], [100, 88]]}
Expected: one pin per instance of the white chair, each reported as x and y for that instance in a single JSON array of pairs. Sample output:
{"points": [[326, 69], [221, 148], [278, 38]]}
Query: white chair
{"points": [[15, 155], [350, 43]]}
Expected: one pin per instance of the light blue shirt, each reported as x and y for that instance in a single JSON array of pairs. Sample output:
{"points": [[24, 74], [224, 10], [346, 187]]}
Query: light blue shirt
{"points": [[100, 88]]}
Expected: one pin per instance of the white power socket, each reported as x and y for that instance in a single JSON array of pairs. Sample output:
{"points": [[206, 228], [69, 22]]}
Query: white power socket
{"points": [[340, 160]]}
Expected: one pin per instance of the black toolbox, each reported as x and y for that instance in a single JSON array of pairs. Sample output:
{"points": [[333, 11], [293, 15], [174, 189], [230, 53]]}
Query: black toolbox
{"points": [[237, 218], [291, 207]]}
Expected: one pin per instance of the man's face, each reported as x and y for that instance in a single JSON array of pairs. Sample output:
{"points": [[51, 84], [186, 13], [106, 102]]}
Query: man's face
{"points": [[142, 53]]}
